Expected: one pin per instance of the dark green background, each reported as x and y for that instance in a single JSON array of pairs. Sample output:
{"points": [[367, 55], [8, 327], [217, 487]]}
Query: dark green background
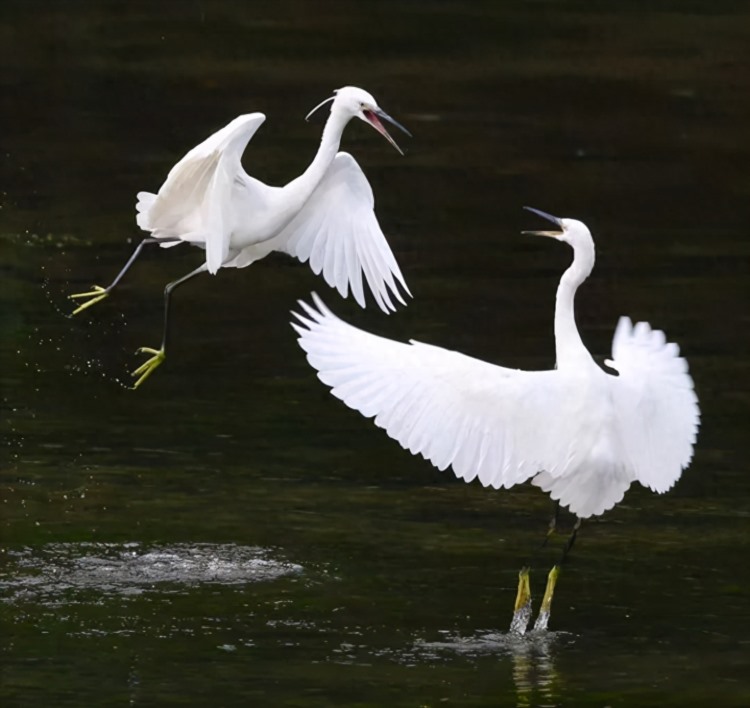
{"points": [[230, 534]]}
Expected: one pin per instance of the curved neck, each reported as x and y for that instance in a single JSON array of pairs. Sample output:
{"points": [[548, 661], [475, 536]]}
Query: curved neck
{"points": [[569, 347], [301, 188]]}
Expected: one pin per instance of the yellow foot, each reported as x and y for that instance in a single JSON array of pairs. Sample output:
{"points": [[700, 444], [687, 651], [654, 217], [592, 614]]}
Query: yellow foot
{"points": [[522, 609], [550, 589], [147, 368], [546, 608], [523, 596], [96, 294]]}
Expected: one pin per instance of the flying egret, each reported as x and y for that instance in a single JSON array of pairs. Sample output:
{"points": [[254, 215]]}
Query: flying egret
{"points": [[578, 432], [325, 215]]}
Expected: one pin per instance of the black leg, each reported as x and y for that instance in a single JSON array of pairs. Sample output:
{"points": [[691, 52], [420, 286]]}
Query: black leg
{"points": [[571, 540], [158, 355], [552, 523], [546, 607], [522, 608], [98, 293], [171, 287], [131, 260]]}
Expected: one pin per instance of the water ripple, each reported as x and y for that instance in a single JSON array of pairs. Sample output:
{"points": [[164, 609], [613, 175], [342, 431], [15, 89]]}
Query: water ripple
{"points": [[132, 568]]}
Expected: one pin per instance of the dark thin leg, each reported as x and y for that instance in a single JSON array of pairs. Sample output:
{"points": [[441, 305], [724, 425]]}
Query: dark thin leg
{"points": [[571, 540], [97, 293], [552, 523], [544, 611], [135, 255], [167, 297], [522, 609], [550, 532], [158, 355], [522, 612]]}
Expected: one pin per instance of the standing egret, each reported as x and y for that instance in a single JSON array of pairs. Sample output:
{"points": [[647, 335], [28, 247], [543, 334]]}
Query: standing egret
{"points": [[578, 432], [325, 215]]}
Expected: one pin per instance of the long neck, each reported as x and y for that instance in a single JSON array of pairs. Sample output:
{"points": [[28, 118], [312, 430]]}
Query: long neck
{"points": [[569, 347], [300, 189]]}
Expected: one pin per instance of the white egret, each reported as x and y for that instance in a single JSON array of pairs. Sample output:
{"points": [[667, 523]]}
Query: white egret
{"points": [[325, 215], [577, 431]]}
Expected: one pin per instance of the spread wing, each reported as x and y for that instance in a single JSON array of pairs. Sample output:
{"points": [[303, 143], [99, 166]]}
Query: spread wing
{"points": [[500, 425], [656, 404], [196, 196], [338, 233]]}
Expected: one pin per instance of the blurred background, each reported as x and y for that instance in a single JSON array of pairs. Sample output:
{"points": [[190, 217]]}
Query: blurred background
{"points": [[230, 533]]}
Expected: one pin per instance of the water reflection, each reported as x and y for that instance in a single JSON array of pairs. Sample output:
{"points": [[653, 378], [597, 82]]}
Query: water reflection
{"points": [[626, 116], [534, 674], [535, 677]]}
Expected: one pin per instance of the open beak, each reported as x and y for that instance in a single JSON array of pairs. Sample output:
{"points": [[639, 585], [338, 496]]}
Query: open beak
{"points": [[373, 117], [549, 217]]}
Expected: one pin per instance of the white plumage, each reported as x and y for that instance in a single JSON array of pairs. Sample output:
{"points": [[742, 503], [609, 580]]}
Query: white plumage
{"points": [[326, 215], [578, 432]]}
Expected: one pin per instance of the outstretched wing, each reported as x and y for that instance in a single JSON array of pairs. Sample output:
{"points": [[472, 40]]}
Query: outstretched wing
{"points": [[194, 198], [500, 425], [656, 404], [338, 233]]}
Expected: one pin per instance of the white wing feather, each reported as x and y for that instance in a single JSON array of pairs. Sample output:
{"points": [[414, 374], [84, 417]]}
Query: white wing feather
{"points": [[500, 425], [655, 402], [337, 231], [583, 436], [197, 192]]}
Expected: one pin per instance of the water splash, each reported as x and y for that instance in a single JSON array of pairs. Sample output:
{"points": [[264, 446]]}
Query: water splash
{"points": [[56, 569], [521, 619], [491, 642], [532, 656], [541, 621]]}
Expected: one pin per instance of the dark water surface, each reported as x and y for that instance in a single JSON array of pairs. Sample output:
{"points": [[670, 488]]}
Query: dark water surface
{"points": [[230, 534]]}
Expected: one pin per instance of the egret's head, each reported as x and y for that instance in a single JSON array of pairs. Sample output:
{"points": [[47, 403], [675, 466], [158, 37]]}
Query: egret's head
{"points": [[571, 231], [354, 102]]}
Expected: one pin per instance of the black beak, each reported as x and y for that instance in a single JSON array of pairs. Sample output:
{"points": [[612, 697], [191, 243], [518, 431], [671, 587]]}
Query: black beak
{"points": [[555, 220], [382, 114], [373, 117]]}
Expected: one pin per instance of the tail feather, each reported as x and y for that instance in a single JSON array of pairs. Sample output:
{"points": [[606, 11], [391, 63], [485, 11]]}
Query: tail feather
{"points": [[143, 206]]}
